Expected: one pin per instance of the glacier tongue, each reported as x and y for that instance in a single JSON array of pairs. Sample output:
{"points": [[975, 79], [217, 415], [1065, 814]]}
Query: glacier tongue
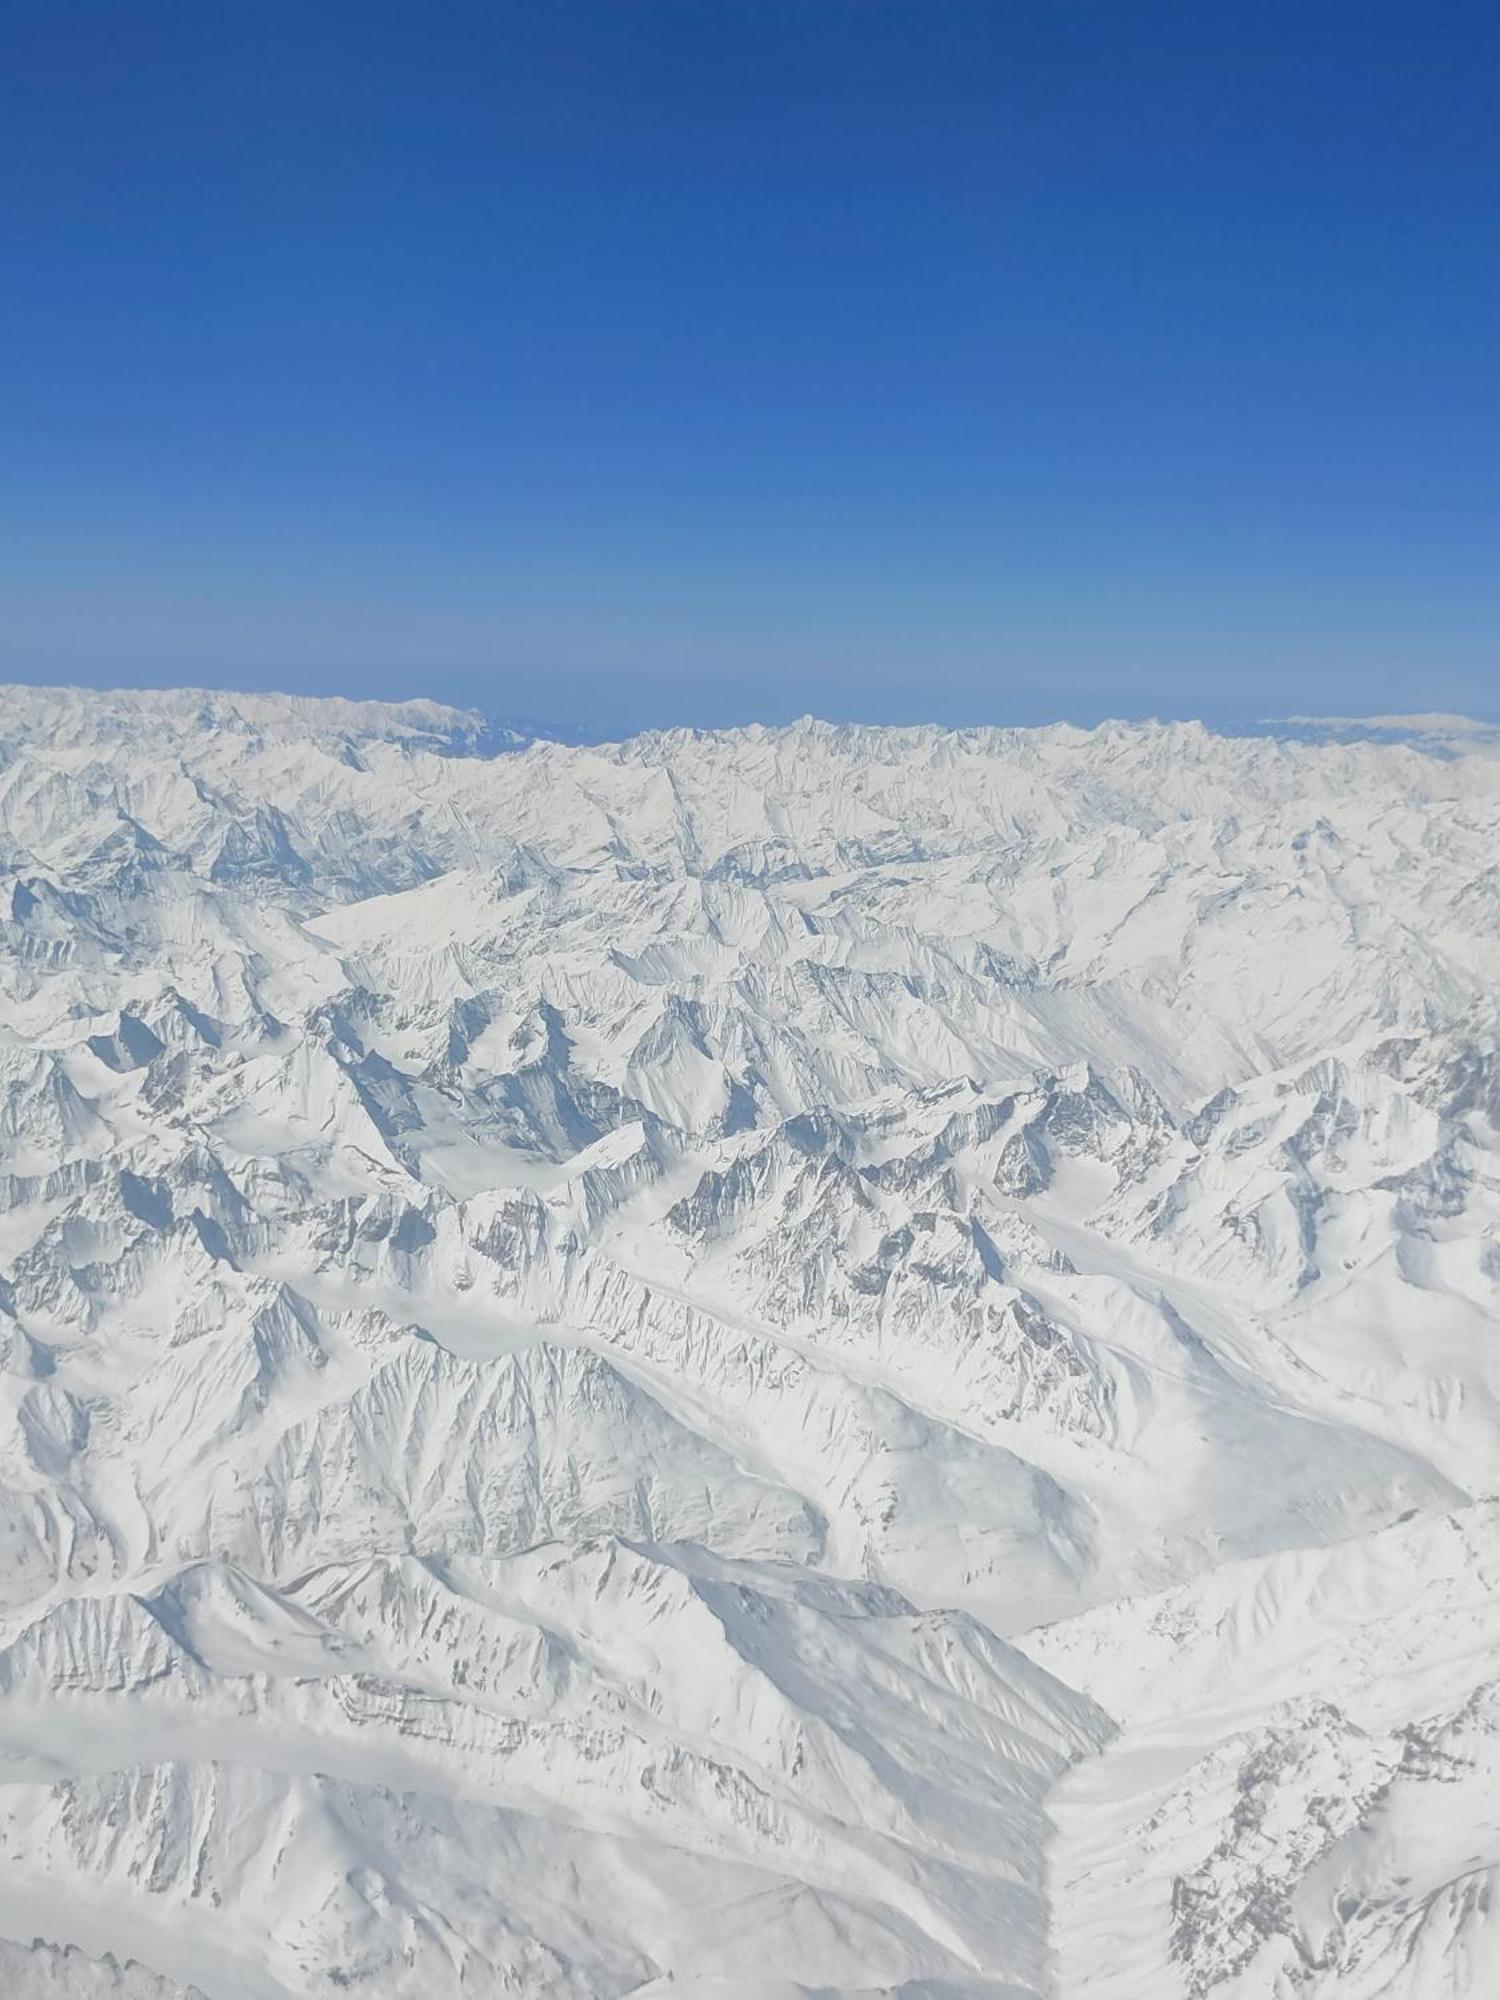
{"points": [[802, 1361]]}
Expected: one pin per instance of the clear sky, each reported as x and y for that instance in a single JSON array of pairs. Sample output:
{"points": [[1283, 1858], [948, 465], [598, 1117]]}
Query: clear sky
{"points": [[707, 360]]}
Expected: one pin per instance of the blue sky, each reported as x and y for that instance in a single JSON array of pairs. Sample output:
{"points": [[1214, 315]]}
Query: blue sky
{"points": [[707, 360]]}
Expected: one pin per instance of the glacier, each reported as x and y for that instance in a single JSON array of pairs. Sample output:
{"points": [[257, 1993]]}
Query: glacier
{"points": [[796, 1361]]}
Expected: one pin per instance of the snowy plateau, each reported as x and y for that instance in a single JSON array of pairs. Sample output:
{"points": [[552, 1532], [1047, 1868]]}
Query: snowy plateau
{"points": [[807, 1361]]}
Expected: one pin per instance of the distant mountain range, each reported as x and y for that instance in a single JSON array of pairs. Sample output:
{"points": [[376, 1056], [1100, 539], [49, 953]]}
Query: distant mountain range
{"points": [[785, 1362]]}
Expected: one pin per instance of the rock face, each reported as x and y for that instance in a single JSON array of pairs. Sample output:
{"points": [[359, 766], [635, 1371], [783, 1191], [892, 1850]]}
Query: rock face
{"points": [[808, 1361]]}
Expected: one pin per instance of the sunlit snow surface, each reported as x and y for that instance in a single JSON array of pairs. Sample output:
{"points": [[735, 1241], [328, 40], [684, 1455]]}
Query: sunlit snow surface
{"points": [[813, 1361]]}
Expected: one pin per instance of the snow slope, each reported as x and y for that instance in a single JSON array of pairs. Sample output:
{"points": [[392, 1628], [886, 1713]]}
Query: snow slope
{"points": [[809, 1361]]}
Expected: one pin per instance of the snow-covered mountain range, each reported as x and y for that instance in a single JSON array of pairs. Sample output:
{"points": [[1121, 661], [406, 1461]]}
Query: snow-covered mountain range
{"points": [[811, 1361]]}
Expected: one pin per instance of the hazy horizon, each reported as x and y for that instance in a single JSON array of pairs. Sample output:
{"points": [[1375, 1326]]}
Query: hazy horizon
{"points": [[1417, 723]]}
